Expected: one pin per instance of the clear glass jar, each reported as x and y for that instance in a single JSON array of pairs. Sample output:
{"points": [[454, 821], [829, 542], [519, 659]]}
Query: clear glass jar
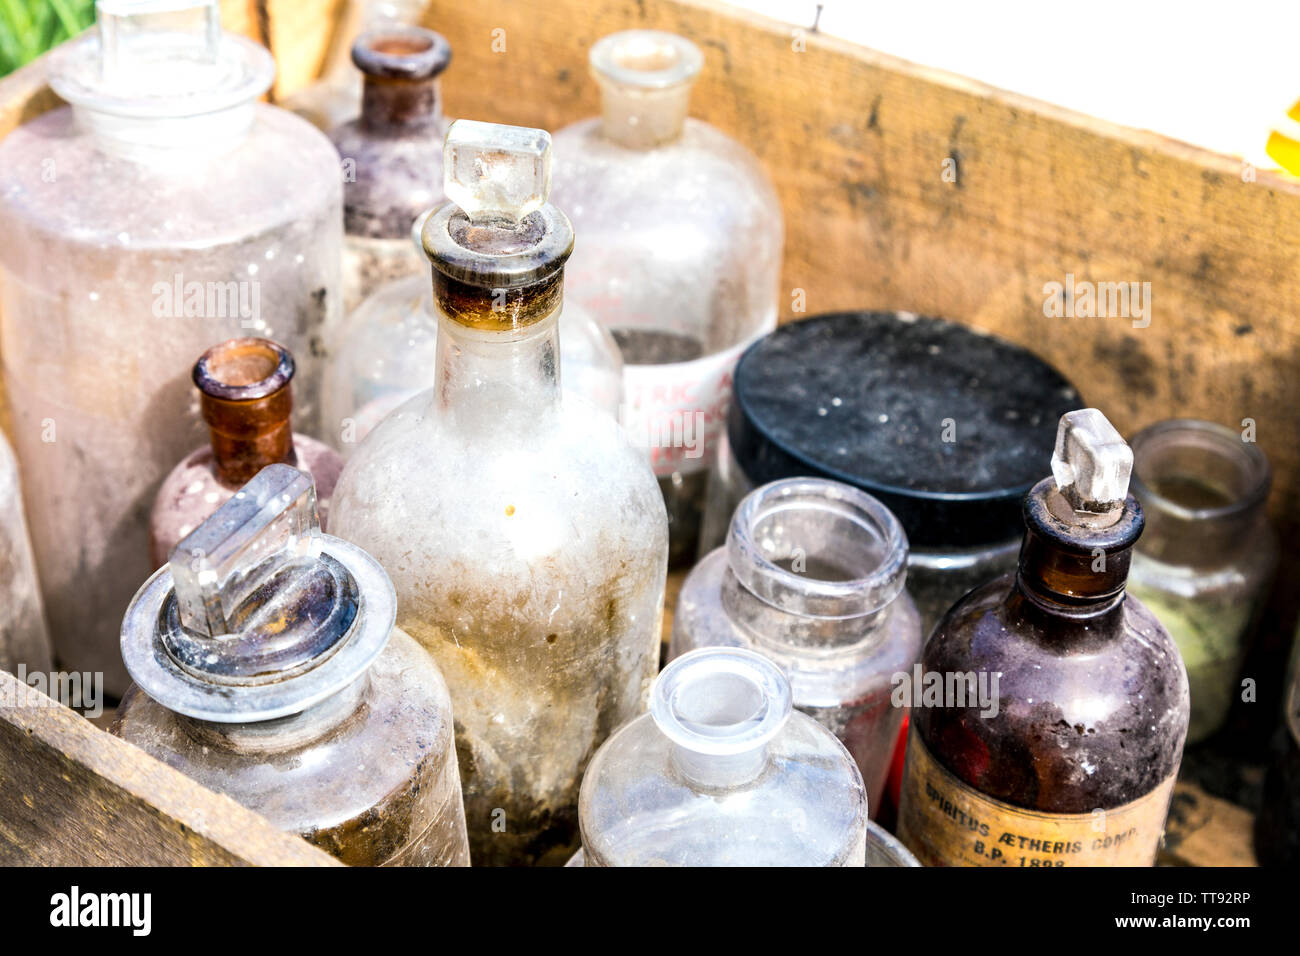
{"points": [[723, 772], [524, 534], [336, 97], [392, 156], [385, 353], [1050, 708], [164, 211], [680, 255], [812, 576], [267, 668], [245, 397], [23, 638], [1207, 556], [945, 425]]}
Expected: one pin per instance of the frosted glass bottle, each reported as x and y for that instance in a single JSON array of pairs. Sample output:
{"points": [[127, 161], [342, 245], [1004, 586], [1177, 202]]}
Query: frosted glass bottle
{"points": [[385, 353], [335, 98], [812, 575], [722, 772], [267, 668], [392, 155], [165, 211], [523, 531], [23, 639], [245, 396], [679, 255]]}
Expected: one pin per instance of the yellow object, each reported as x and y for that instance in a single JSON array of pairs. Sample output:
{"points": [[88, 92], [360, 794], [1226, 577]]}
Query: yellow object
{"points": [[1284, 142]]}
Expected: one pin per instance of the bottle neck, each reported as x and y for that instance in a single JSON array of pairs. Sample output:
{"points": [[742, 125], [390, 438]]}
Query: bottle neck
{"points": [[393, 106], [1070, 572], [813, 564], [246, 400], [475, 365], [164, 140], [637, 118]]}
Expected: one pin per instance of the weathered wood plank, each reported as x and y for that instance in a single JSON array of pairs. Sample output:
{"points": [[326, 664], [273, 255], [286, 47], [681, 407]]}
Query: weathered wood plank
{"points": [[71, 794], [1204, 830]]}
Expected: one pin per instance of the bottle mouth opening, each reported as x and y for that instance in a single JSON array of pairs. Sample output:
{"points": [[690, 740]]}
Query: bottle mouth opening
{"points": [[721, 701], [1197, 471], [646, 59], [817, 546], [401, 53], [243, 369]]}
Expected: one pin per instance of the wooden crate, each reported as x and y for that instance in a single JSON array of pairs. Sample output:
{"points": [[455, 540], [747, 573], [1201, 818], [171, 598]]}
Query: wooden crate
{"points": [[858, 143]]}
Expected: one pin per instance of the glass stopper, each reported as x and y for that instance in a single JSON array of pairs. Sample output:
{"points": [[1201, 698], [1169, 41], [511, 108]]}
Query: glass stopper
{"points": [[496, 173], [1092, 463]]}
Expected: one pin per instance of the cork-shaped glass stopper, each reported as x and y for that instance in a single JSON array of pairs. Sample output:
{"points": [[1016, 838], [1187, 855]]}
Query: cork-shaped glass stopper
{"points": [[496, 173], [1091, 466]]}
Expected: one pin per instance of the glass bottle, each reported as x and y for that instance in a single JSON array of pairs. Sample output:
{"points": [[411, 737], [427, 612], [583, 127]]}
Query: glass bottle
{"points": [[164, 211], [267, 668], [812, 576], [392, 155], [23, 638], [1048, 723], [1207, 555], [336, 97], [942, 423], [385, 353], [1277, 825], [524, 533], [680, 255], [245, 397], [722, 772]]}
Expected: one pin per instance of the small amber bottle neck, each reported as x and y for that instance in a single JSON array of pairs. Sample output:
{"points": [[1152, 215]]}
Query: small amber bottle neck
{"points": [[401, 66], [246, 401], [1070, 570], [399, 106]]}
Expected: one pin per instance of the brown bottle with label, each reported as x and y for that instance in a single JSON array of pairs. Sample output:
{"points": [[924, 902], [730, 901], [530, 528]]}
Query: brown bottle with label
{"points": [[1053, 706]]}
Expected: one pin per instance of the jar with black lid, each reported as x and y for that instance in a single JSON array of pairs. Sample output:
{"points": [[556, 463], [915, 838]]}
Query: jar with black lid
{"points": [[944, 424]]}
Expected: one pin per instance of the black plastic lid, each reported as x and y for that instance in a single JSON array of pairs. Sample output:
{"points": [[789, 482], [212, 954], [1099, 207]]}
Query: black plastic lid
{"points": [[866, 398]]}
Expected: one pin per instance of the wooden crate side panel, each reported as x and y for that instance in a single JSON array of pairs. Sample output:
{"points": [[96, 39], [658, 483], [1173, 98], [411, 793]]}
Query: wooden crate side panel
{"points": [[73, 795]]}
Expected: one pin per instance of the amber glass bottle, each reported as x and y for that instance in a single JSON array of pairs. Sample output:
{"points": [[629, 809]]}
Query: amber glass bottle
{"points": [[245, 397], [1071, 759]]}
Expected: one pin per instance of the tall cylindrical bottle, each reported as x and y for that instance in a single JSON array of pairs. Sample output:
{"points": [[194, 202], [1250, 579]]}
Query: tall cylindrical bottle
{"points": [[524, 534], [165, 211], [23, 638], [680, 254], [267, 668], [1048, 723]]}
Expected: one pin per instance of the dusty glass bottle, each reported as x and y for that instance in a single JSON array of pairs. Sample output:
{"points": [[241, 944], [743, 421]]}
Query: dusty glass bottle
{"points": [[392, 155], [723, 772], [1049, 724], [524, 533], [385, 353], [336, 97], [267, 668], [1207, 555], [945, 425], [164, 211], [23, 638], [680, 254], [812, 575], [245, 397]]}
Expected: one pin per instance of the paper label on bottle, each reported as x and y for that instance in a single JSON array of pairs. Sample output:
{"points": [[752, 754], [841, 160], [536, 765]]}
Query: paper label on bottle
{"points": [[677, 411], [946, 822]]}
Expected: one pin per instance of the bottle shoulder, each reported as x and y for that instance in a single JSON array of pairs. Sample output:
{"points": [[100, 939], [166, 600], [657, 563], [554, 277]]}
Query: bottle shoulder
{"points": [[1070, 719], [388, 180]]}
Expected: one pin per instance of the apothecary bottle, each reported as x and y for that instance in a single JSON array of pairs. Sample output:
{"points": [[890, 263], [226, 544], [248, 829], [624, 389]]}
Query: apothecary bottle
{"points": [[1207, 555], [164, 211], [245, 398], [23, 637], [679, 255], [392, 155], [267, 668], [1048, 726], [947, 426], [523, 531], [335, 98], [812, 575], [723, 772], [385, 353]]}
